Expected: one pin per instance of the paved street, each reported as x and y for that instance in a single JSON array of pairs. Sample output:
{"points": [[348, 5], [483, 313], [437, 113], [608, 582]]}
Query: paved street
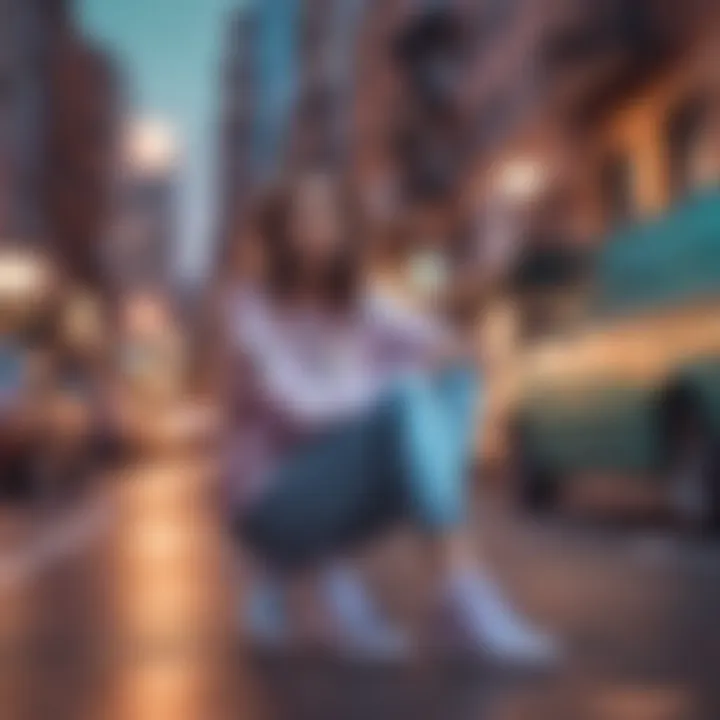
{"points": [[127, 616], [120, 608]]}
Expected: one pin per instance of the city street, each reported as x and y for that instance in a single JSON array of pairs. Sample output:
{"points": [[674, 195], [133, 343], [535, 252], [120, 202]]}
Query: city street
{"points": [[121, 608], [290, 267]]}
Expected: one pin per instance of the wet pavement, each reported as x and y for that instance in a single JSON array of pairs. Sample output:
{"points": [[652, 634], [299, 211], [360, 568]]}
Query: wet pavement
{"points": [[121, 608]]}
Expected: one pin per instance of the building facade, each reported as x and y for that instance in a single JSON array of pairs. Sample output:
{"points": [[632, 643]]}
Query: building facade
{"points": [[140, 252], [239, 85], [277, 38], [259, 77], [59, 104], [28, 30], [322, 127], [575, 117], [86, 106], [542, 83], [629, 86], [593, 117]]}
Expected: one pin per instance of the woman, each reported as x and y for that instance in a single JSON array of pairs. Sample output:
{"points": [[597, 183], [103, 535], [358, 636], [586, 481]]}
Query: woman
{"points": [[353, 416], [268, 278]]}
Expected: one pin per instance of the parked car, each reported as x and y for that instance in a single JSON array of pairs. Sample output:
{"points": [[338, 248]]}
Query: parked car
{"points": [[81, 429], [635, 387], [27, 285], [54, 425]]}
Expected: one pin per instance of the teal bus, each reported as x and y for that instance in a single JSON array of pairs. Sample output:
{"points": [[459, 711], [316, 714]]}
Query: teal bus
{"points": [[634, 387]]}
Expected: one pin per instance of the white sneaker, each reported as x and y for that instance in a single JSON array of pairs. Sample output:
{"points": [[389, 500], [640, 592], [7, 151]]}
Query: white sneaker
{"points": [[362, 631], [474, 618]]}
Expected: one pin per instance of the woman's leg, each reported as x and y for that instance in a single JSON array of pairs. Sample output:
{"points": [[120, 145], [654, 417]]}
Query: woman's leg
{"points": [[461, 398], [360, 625], [408, 458], [324, 500], [459, 401], [329, 607], [436, 423]]}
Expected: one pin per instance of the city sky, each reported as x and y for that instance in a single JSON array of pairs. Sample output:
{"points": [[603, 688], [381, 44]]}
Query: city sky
{"points": [[170, 51]]}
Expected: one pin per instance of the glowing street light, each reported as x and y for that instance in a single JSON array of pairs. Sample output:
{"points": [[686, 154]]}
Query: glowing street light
{"points": [[522, 180], [22, 273], [151, 146]]}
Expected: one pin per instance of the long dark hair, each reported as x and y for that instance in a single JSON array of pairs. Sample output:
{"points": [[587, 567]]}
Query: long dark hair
{"points": [[338, 283]]}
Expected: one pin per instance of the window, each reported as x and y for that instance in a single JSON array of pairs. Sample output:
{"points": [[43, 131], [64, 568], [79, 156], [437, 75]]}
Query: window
{"points": [[617, 189], [685, 131]]}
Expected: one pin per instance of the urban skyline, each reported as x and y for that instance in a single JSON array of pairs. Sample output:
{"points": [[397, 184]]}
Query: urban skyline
{"points": [[171, 50]]}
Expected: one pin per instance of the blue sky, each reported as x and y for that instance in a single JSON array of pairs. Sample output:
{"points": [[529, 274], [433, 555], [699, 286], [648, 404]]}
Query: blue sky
{"points": [[170, 51]]}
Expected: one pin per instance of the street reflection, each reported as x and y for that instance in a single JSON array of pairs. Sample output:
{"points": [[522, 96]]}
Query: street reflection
{"points": [[638, 703], [138, 623], [16, 621], [170, 598]]}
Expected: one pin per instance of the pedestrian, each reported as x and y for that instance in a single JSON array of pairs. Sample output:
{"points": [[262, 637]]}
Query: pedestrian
{"points": [[351, 416]]}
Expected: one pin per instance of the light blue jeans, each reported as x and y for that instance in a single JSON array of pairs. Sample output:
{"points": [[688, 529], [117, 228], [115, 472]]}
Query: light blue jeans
{"points": [[404, 460]]}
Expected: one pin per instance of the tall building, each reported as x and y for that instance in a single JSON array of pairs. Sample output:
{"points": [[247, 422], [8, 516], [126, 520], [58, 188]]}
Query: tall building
{"points": [[258, 92], [322, 118], [613, 83], [28, 30], [378, 101], [543, 83], [140, 254], [276, 52], [59, 102], [85, 110], [239, 86]]}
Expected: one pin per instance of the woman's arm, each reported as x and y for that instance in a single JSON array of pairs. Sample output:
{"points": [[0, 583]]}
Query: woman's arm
{"points": [[411, 337], [484, 276], [305, 385], [309, 401], [256, 373]]}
